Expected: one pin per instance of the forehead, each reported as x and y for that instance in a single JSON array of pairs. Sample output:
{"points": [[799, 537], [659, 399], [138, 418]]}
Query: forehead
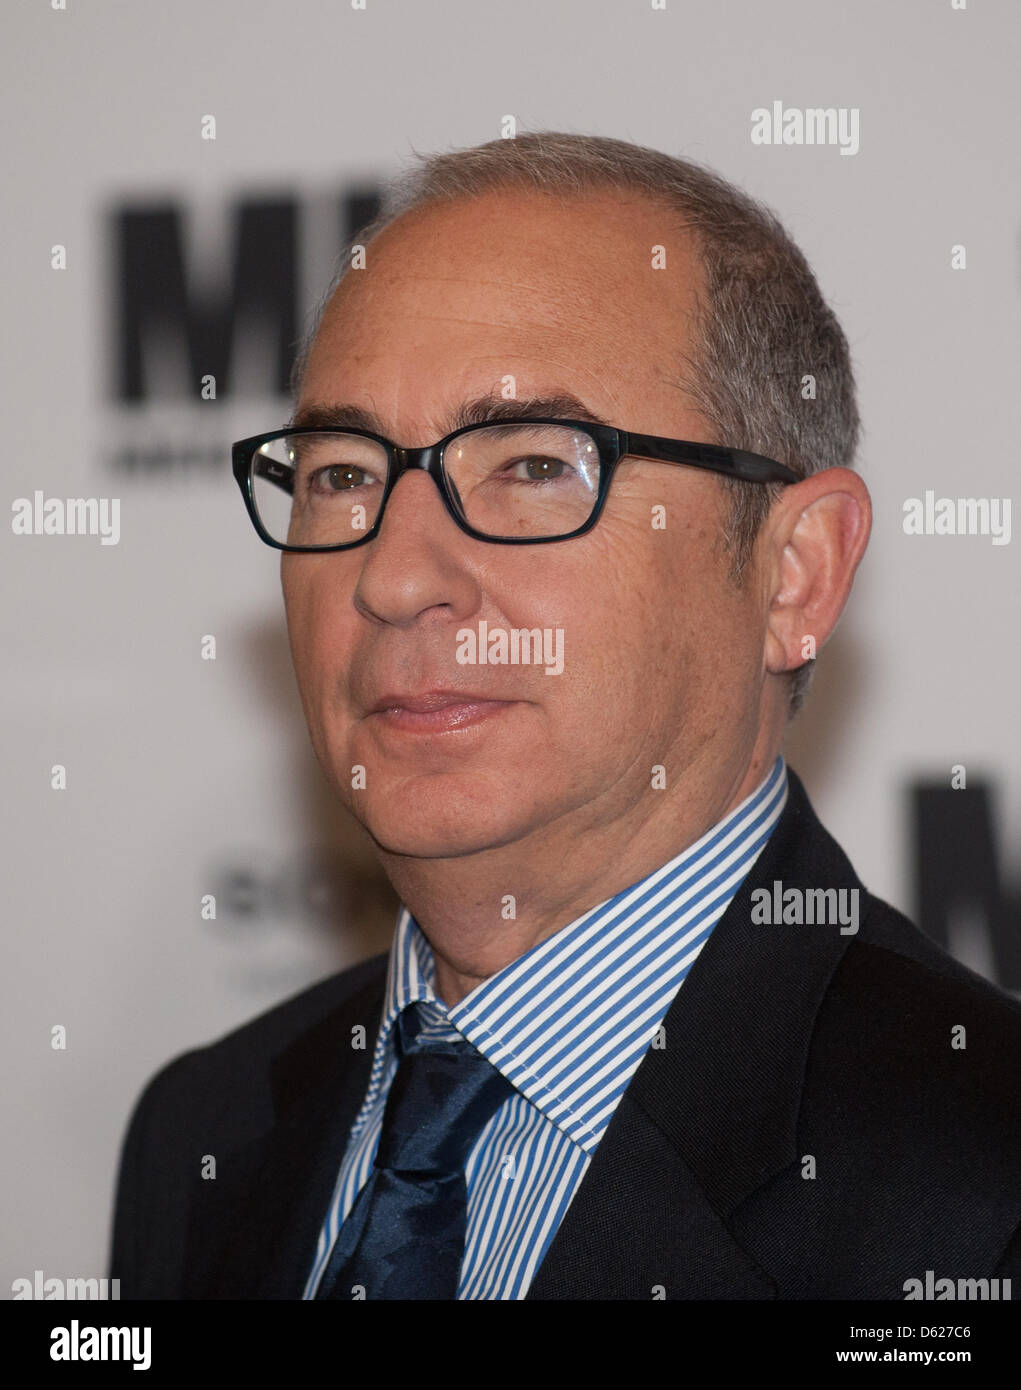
{"points": [[580, 288], [528, 259]]}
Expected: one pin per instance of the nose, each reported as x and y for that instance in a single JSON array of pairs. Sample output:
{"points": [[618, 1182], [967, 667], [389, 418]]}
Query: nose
{"points": [[416, 563]]}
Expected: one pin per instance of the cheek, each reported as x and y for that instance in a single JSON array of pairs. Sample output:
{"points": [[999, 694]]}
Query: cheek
{"points": [[666, 627], [619, 629], [299, 610], [318, 614]]}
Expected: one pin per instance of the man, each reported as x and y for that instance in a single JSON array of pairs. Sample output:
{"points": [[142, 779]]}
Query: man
{"points": [[642, 1032]]}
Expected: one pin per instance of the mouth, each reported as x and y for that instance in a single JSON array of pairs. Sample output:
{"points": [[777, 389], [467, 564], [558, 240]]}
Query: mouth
{"points": [[436, 711]]}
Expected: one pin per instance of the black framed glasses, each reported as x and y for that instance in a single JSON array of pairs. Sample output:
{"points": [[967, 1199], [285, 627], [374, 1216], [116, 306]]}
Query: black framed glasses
{"points": [[519, 482]]}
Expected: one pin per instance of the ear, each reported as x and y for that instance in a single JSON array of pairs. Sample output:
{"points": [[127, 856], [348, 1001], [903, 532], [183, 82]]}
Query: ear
{"points": [[816, 534]]}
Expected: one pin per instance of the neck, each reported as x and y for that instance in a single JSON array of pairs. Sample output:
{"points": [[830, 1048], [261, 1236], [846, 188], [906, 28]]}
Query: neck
{"points": [[558, 873]]}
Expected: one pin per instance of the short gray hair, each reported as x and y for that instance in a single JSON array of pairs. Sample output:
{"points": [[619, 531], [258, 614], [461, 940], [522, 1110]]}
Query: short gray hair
{"points": [[764, 327]]}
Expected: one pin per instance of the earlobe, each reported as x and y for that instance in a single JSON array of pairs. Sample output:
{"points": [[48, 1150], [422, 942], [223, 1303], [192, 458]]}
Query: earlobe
{"points": [[820, 531]]}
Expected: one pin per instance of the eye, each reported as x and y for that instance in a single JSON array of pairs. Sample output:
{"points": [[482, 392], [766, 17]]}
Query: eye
{"points": [[339, 477], [540, 468]]}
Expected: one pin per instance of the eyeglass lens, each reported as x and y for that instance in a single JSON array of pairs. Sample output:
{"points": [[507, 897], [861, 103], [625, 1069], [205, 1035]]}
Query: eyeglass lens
{"points": [[508, 481]]}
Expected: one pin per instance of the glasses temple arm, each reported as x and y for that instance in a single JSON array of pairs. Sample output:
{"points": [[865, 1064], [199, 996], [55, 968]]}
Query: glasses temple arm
{"points": [[280, 473], [738, 463]]}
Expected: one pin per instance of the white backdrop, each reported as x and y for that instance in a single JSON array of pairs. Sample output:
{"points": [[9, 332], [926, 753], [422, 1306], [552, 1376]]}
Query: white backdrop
{"points": [[187, 776]]}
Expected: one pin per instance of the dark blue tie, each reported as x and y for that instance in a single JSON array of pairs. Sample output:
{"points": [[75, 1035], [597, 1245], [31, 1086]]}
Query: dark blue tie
{"points": [[404, 1236]]}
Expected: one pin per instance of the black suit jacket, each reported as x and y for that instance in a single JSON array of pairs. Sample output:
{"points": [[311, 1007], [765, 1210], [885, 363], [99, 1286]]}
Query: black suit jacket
{"points": [[785, 1043]]}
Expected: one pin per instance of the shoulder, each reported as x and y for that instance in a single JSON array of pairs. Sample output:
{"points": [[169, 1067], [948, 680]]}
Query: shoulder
{"points": [[907, 1124], [234, 1070], [921, 1016], [911, 1002], [929, 1050], [213, 1101], [912, 1101]]}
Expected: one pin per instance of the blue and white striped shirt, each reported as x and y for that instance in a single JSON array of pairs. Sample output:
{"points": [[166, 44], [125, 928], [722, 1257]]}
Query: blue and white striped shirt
{"points": [[567, 1023]]}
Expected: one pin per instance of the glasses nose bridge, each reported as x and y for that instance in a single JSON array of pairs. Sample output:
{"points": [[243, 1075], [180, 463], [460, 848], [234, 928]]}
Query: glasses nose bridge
{"points": [[426, 458]]}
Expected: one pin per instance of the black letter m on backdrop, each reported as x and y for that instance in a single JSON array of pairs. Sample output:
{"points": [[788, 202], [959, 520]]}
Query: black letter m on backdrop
{"points": [[157, 307], [957, 871], [160, 311]]}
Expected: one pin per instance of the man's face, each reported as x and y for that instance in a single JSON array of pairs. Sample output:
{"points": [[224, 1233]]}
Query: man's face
{"points": [[662, 653]]}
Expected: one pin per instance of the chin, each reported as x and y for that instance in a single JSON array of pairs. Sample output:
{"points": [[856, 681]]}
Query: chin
{"points": [[437, 825]]}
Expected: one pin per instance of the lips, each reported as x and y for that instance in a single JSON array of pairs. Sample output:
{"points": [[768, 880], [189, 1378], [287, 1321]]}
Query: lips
{"points": [[435, 714], [430, 700]]}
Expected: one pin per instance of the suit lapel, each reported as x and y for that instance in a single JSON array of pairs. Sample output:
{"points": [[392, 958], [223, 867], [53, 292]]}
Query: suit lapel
{"points": [[640, 1227], [711, 1116], [318, 1085]]}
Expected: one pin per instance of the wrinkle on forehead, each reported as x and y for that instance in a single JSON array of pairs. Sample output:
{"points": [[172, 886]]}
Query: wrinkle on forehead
{"points": [[557, 273], [533, 308]]}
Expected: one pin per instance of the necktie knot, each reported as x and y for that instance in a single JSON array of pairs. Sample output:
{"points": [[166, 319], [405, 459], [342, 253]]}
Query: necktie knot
{"points": [[440, 1098]]}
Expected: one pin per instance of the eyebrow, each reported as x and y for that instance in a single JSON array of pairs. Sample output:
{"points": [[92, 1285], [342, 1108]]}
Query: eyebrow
{"points": [[490, 409]]}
